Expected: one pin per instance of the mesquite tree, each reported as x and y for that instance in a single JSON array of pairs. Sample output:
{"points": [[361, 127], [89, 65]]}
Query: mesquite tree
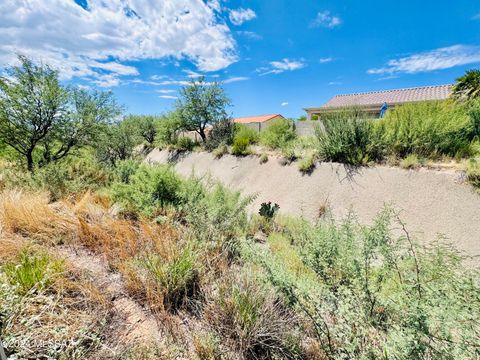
{"points": [[44, 121], [202, 104]]}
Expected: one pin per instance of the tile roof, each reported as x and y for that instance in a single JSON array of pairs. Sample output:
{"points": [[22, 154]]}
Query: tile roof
{"points": [[255, 119], [398, 96]]}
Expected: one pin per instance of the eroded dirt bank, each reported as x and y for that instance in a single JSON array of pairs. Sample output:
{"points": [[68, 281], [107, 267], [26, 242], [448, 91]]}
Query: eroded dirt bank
{"points": [[431, 202]]}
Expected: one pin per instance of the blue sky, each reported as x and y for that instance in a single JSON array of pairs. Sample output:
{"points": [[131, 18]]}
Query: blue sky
{"points": [[275, 56]]}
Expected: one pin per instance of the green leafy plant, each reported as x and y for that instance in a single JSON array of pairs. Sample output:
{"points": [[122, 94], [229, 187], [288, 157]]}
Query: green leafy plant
{"points": [[345, 136], [278, 133], [411, 162], [468, 85], [32, 270], [222, 133], [307, 163]]}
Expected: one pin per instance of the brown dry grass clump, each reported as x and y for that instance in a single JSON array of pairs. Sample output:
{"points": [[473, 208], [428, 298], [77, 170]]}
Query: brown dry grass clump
{"points": [[31, 215]]}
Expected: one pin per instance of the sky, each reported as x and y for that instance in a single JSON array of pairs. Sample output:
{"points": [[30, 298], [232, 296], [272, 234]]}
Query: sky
{"points": [[273, 56]]}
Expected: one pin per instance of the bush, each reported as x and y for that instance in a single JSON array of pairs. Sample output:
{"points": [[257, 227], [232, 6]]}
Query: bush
{"points": [[346, 137], [253, 321], [244, 137], [168, 128], [217, 216], [473, 172], [32, 270], [220, 151], [278, 134], [173, 279], [263, 158], [411, 162], [245, 132], [149, 189], [370, 293], [221, 134], [185, 143], [61, 179], [427, 129], [307, 163], [125, 169], [241, 147]]}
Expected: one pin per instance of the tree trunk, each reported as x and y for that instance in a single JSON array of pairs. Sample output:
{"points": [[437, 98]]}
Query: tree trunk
{"points": [[202, 135], [29, 161]]}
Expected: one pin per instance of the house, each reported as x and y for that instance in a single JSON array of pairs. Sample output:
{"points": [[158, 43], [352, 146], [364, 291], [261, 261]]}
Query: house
{"points": [[258, 123], [373, 101]]}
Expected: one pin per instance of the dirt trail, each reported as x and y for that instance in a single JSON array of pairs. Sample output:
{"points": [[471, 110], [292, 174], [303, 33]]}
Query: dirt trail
{"points": [[137, 325], [432, 202]]}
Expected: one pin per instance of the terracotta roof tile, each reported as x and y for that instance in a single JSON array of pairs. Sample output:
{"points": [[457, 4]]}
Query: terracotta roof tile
{"points": [[255, 119], [440, 92]]}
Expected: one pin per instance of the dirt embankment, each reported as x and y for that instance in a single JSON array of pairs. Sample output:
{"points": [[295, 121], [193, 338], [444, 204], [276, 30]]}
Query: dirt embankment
{"points": [[432, 202]]}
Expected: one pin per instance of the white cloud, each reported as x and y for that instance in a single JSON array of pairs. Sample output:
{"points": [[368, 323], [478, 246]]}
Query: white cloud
{"points": [[166, 91], [169, 97], [284, 103], [437, 59], [325, 19], [97, 42], [278, 67], [239, 16], [332, 83], [250, 35], [325, 60], [192, 74], [235, 79], [158, 77]]}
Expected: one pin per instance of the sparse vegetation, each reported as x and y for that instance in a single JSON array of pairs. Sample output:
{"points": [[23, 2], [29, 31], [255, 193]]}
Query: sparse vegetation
{"points": [[103, 256], [411, 162], [263, 158]]}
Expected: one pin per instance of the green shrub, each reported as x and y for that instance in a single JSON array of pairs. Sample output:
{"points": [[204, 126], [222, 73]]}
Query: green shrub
{"points": [[241, 147], [428, 129], [288, 154], [346, 136], [244, 137], [263, 158], [185, 143], [217, 215], [411, 162], [125, 169], [371, 292], [253, 321], [473, 172], [149, 189], [73, 175], [32, 270], [221, 150], [168, 128], [307, 163], [221, 134], [278, 133], [174, 278], [246, 132]]}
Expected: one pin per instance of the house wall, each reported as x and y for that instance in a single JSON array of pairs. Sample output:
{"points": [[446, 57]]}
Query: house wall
{"points": [[261, 126]]}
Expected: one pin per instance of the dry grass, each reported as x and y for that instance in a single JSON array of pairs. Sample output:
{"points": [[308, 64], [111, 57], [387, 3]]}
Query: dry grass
{"points": [[31, 215], [63, 317]]}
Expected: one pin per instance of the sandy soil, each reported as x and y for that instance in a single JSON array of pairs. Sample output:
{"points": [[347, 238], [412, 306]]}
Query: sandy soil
{"points": [[432, 203], [135, 324]]}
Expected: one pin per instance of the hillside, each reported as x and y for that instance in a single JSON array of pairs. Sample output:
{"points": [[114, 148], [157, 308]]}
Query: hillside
{"points": [[432, 203]]}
